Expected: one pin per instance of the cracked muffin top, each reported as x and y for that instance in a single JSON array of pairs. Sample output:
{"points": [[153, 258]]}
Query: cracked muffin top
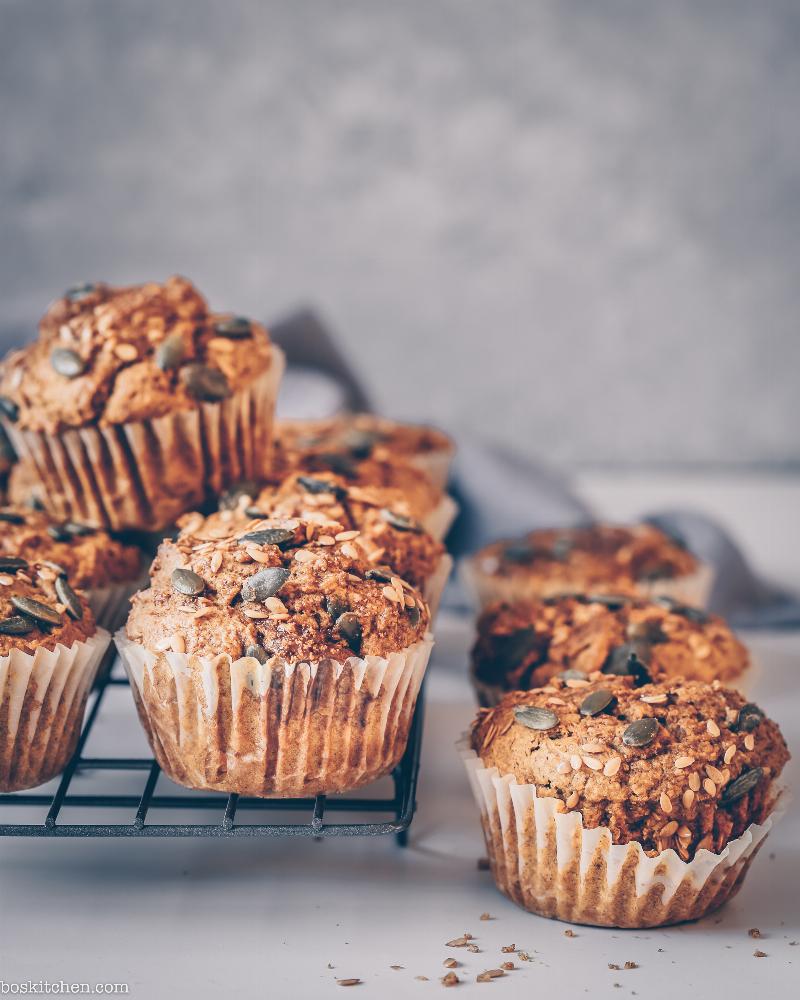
{"points": [[679, 764], [109, 355], [39, 607], [270, 588], [597, 556], [363, 435], [522, 645], [89, 557], [388, 531]]}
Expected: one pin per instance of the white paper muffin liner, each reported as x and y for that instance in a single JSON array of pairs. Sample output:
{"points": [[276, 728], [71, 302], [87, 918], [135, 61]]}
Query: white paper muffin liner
{"points": [[145, 474], [436, 582], [42, 701], [549, 863], [436, 465], [487, 588], [277, 729], [438, 521]]}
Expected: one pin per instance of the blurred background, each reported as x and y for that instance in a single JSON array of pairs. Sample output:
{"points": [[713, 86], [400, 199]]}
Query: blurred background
{"points": [[571, 227]]}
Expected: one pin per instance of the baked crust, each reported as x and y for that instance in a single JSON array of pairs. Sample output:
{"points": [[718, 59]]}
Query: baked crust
{"points": [[362, 435], [115, 338], [675, 791], [523, 645]]}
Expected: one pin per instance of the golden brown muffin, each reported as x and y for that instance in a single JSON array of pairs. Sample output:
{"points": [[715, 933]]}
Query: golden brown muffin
{"points": [[523, 645], [678, 764]]}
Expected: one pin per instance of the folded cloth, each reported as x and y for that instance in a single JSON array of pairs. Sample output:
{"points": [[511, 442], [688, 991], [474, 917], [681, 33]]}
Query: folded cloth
{"points": [[502, 495]]}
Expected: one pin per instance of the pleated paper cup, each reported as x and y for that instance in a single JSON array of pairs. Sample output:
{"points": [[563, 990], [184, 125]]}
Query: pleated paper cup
{"points": [[42, 701], [439, 520], [547, 862], [436, 465], [436, 582], [144, 475], [693, 589], [276, 729]]}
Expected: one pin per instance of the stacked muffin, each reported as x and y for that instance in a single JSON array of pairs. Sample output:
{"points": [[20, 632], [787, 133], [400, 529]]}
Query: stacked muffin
{"points": [[619, 782]]}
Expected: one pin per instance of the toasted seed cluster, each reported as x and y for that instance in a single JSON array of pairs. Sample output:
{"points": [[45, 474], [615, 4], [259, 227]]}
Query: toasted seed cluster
{"points": [[679, 764], [523, 645], [112, 355], [600, 556], [265, 587], [363, 435]]}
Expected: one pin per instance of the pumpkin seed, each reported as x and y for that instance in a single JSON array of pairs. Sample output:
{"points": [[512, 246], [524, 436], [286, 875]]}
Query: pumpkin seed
{"points": [[10, 564], [264, 584], [67, 362], [16, 625], [313, 485], [267, 536], [9, 408], [80, 292], [254, 512], [534, 717], [597, 702], [611, 601], [335, 607], [236, 328], [414, 615], [513, 649], [209, 385], [640, 733], [399, 521], [632, 659], [749, 718], [360, 443], [257, 652], [519, 552], [9, 517], [58, 533], [68, 598], [379, 575], [187, 582], [171, 352], [41, 613], [741, 786], [231, 498], [349, 627], [677, 608], [342, 465]]}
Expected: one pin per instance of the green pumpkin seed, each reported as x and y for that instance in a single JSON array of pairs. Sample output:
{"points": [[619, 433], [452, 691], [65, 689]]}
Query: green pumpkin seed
{"points": [[16, 625], [313, 485], [171, 352], [640, 733], [268, 536], [611, 601], [349, 628], [741, 786], [254, 512], [342, 465], [235, 328], [10, 564], [257, 652], [414, 615], [513, 649], [749, 718], [67, 362], [335, 607], [264, 584], [597, 702], [80, 292], [206, 384], [232, 497], [400, 521], [41, 613], [519, 552], [187, 582], [533, 717], [379, 575], [11, 518], [360, 443], [629, 660], [67, 596], [58, 533], [678, 608], [9, 409]]}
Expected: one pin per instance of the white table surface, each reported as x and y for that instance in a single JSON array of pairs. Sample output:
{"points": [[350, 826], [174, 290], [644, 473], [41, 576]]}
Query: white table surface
{"points": [[285, 918]]}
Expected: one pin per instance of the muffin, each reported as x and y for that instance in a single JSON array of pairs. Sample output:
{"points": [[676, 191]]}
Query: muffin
{"points": [[137, 404], [523, 645], [362, 435], [105, 569], [597, 558], [604, 803], [271, 659], [50, 650], [379, 516]]}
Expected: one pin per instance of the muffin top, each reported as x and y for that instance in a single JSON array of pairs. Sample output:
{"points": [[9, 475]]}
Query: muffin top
{"points": [[522, 645], [599, 556], [679, 764], [272, 588], [363, 435], [89, 557], [381, 516], [38, 607], [110, 355]]}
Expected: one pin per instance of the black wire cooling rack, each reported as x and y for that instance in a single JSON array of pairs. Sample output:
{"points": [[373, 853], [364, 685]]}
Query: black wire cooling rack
{"points": [[397, 810]]}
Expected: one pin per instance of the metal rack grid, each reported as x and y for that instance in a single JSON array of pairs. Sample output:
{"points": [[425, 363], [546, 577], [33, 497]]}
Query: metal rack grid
{"points": [[400, 808]]}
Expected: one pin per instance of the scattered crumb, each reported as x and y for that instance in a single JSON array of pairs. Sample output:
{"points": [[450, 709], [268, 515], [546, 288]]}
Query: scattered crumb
{"points": [[483, 864], [508, 966], [489, 975], [508, 949], [457, 942], [331, 965], [613, 966], [468, 936], [422, 979], [661, 949], [451, 979], [450, 963], [486, 916], [348, 982], [569, 932], [793, 944], [523, 956], [760, 954], [631, 965], [396, 967], [473, 948], [754, 932]]}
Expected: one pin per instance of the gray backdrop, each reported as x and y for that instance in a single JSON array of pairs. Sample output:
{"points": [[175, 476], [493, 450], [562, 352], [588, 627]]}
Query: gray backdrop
{"points": [[573, 227]]}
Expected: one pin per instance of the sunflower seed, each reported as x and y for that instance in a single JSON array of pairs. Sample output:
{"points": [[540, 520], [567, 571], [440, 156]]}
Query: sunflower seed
{"points": [[349, 627], [41, 613], [187, 582], [399, 521], [236, 328], [10, 564], [68, 598], [11, 518], [640, 733], [266, 583], [534, 717], [257, 652], [597, 702], [267, 536], [741, 786], [749, 718], [16, 625], [313, 485], [66, 362], [209, 385], [80, 292]]}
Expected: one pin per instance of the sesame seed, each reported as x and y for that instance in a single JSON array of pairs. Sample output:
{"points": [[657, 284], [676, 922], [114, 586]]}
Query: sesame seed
{"points": [[178, 644], [276, 605], [684, 833]]}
